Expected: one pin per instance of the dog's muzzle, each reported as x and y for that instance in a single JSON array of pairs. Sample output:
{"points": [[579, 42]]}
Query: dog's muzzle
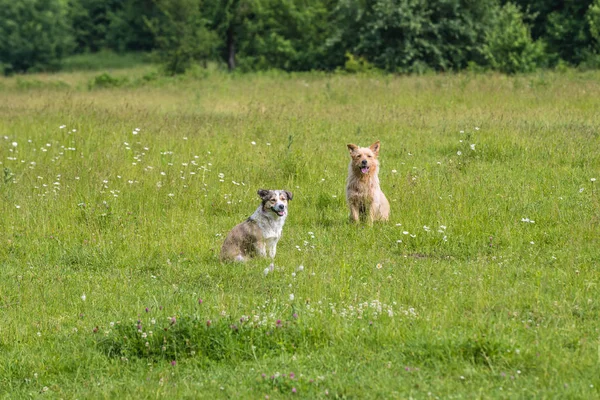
{"points": [[278, 209], [364, 167]]}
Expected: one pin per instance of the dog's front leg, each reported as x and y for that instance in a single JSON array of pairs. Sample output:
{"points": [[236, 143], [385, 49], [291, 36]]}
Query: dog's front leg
{"points": [[354, 213], [272, 248], [373, 213], [261, 249]]}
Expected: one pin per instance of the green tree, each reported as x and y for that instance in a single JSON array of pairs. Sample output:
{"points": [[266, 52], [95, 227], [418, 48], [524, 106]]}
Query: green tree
{"points": [[90, 20], [181, 34], [411, 35], [562, 25], [593, 17], [262, 34], [509, 47], [34, 35], [229, 19], [128, 28]]}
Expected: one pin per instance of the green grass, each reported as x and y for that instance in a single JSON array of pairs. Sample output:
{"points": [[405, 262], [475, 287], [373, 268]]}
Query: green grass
{"points": [[104, 60], [107, 235]]}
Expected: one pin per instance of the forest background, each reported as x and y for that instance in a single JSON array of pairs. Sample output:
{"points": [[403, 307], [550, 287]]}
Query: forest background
{"points": [[398, 36]]}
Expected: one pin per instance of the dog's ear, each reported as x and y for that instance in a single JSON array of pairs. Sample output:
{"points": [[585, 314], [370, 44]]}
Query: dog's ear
{"points": [[263, 193], [375, 148], [288, 194], [352, 148]]}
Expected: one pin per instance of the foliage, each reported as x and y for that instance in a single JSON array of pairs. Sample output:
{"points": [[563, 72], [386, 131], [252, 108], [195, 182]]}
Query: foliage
{"points": [[562, 25], [393, 35], [412, 35], [264, 34], [34, 35], [181, 35], [286, 35], [593, 17], [356, 64], [509, 47], [128, 28], [90, 22], [106, 80]]}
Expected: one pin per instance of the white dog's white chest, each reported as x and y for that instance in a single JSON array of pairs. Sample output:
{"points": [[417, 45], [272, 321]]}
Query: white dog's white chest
{"points": [[271, 231]]}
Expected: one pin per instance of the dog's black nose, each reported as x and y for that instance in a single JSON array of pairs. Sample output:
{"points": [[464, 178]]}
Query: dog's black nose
{"points": [[280, 207], [364, 162]]}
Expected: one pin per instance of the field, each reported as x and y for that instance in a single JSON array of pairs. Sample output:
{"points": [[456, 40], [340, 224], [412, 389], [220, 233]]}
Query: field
{"points": [[115, 199]]}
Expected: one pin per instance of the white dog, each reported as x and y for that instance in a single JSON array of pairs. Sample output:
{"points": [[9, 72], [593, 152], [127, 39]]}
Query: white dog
{"points": [[259, 234]]}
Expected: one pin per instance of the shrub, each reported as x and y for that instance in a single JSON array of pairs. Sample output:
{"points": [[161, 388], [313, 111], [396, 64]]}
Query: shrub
{"points": [[357, 64], [106, 80], [509, 47]]}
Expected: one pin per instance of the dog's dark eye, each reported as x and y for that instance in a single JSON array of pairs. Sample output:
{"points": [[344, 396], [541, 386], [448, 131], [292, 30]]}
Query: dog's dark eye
{"points": [[369, 156]]}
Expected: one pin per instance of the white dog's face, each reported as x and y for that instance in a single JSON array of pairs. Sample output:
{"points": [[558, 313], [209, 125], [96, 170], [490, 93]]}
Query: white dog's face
{"points": [[275, 201]]}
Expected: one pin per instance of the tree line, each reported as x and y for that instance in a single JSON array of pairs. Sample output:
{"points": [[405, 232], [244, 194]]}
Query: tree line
{"points": [[399, 36]]}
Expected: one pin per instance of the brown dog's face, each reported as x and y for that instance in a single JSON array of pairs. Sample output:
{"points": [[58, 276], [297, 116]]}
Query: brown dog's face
{"points": [[275, 201], [364, 159]]}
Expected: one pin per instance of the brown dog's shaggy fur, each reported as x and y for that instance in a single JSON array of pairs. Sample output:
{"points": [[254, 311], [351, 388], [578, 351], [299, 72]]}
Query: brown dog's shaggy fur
{"points": [[364, 196]]}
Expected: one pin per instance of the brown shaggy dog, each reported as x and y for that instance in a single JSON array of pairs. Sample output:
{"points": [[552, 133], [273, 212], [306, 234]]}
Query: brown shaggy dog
{"points": [[364, 196]]}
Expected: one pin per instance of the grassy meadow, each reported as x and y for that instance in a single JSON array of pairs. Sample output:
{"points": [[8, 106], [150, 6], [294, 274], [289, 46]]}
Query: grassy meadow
{"points": [[115, 200]]}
